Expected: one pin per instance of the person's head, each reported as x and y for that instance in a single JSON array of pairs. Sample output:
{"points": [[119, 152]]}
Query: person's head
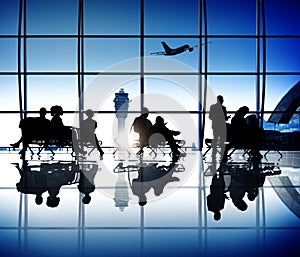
{"points": [[142, 200], [86, 199], [240, 204], [43, 112], [243, 110], [145, 112], [220, 99], [38, 199], [160, 120], [89, 113], [217, 215], [52, 201], [56, 110]]}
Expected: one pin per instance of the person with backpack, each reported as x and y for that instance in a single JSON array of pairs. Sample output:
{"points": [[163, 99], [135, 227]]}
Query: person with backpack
{"points": [[142, 125]]}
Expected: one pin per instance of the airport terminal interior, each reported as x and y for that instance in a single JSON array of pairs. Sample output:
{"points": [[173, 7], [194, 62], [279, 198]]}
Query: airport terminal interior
{"points": [[217, 86]]}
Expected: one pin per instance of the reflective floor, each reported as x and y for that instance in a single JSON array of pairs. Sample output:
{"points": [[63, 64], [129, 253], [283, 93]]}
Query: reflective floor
{"points": [[149, 206]]}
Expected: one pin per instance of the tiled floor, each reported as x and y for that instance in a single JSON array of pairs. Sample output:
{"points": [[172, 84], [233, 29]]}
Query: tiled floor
{"points": [[174, 221]]}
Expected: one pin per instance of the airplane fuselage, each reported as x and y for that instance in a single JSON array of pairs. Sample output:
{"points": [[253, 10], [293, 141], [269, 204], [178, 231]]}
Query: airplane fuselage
{"points": [[179, 50]]}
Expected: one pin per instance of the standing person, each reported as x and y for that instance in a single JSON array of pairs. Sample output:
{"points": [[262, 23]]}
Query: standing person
{"points": [[87, 131], [218, 116], [216, 198], [142, 125]]}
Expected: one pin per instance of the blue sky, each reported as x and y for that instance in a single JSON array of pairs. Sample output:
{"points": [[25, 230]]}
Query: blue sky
{"points": [[162, 18]]}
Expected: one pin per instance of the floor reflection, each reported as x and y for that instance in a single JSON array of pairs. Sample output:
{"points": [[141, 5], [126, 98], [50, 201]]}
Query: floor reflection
{"points": [[149, 207]]}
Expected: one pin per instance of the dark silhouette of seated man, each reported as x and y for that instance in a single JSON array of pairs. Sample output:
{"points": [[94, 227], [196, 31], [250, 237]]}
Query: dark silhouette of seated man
{"points": [[141, 125], [31, 182], [58, 175], [58, 130], [152, 176], [238, 130], [217, 196], [255, 135], [218, 116], [87, 131], [239, 127], [33, 128], [160, 128], [64, 135], [237, 191]]}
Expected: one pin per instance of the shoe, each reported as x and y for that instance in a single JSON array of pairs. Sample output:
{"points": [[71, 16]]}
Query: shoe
{"points": [[15, 145], [140, 152], [22, 154]]}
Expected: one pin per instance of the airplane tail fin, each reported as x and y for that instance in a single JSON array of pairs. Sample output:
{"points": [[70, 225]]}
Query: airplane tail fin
{"points": [[166, 47]]}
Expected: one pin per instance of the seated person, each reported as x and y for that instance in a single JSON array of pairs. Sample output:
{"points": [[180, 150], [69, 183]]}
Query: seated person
{"points": [[160, 128], [142, 125], [238, 130], [87, 131], [58, 131], [33, 128]]}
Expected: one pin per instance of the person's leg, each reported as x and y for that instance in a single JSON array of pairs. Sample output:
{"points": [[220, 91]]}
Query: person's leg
{"points": [[17, 144], [98, 146]]}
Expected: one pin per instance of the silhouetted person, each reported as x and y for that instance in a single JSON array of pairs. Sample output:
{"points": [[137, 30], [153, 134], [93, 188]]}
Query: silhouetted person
{"points": [[217, 196], [152, 176], [239, 127], [160, 128], [218, 116], [141, 125], [31, 182], [57, 128], [33, 128], [237, 191], [87, 131], [86, 182], [255, 135], [63, 134], [58, 174], [238, 131]]}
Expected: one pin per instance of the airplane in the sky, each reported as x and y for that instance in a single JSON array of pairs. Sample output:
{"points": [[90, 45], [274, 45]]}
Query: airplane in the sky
{"points": [[175, 51]]}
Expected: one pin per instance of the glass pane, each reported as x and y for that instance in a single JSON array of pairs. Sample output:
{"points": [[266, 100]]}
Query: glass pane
{"points": [[190, 57], [174, 93], [231, 17], [171, 18], [9, 16], [282, 17], [100, 91], [52, 17], [52, 55], [103, 54], [277, 87], [9, 97], [112, 17], [237, 91], [8, 54], [281, 54], [232, 55], [10, 132], [46, 91]]}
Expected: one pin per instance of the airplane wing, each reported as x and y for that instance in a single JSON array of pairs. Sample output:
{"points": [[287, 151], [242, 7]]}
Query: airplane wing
{"points": [[201, 44], [158, 53]]}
